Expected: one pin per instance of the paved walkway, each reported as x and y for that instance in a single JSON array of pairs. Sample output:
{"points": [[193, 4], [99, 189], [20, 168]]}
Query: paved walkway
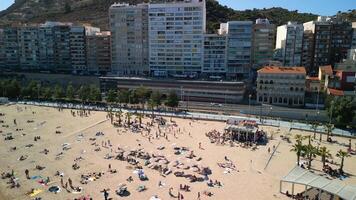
{"points": [[205, 116]]}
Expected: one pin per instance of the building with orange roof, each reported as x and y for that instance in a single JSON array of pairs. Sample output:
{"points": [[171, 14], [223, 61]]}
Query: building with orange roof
{"points": [[325, 71], [281, 85]]}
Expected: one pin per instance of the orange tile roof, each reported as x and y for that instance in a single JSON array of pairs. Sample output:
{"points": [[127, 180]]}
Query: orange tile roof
{"points": [[282, 70], [313, 78], [336, 92], [327, 69]]}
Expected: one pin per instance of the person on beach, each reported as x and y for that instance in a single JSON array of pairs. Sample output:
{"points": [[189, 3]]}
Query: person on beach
{"points": [[27, 174]]}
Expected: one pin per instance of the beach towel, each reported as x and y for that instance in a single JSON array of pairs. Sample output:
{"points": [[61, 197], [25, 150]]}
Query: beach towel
{"points": [[35, 192]]}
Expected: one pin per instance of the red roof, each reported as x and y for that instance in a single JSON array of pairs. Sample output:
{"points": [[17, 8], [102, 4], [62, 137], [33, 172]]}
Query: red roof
{"points": [[282, 70], [326, 69], [336, 92], [313, 78]]}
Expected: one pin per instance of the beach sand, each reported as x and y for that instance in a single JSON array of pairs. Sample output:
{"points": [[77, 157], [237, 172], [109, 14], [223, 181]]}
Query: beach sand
{"points": [[253, 180]]}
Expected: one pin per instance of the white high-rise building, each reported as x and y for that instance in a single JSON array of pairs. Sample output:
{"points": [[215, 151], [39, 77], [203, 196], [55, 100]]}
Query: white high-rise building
{"points": [[176, 35], [290, 41]]}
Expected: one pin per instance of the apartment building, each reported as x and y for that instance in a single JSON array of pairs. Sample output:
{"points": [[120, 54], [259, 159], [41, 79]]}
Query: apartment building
{"points": [[263, 43], [290, 39], [2, 49], [239, 48], [214, 55], [46, 47], [62, 52], [307, 51], [11, 46], [176, 38], [341, 40], [98, 52], [353, 42], [77, 49], [28, 47], [332, 38], [129, 31], [281, 85]]}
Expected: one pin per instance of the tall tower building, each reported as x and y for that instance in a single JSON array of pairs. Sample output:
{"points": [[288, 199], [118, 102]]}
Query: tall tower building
{"points": [[11, 48], [289, 40], [263, 43], [28, 47], [176, 35], [239, 48], [129, 31]]}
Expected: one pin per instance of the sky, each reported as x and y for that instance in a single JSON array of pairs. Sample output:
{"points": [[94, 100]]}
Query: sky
{"points": [[321, 7]]}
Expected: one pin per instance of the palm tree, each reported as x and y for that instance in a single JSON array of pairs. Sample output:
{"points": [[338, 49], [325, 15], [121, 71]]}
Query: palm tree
{"points": [[119, 115], [310, 152], [342, 154], [298, 148], [314, 126], [328, 128], [128, 117], [299, 138], [324, 153], [139, 116]]}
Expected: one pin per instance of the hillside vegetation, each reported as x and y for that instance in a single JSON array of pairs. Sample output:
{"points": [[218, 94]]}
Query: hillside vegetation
{"points": [[95, 12]]}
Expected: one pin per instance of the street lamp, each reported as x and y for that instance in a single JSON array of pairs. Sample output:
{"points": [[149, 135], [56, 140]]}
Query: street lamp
{"points": [[249, 105], [331, 111]]}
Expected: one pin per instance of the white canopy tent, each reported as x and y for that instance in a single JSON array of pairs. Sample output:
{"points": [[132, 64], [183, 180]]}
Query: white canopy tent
{"points": [[305, 177]]}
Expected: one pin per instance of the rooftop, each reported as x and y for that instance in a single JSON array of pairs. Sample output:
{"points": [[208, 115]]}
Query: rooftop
{"points": [[282, 70], [326, 69]]}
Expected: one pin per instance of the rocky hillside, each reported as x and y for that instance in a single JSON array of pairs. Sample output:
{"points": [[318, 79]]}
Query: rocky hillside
{"points": [[95, 12]]}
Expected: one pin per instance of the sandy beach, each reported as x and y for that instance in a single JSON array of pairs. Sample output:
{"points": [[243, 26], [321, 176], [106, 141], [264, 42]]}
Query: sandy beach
{"points": [[67, 141]]}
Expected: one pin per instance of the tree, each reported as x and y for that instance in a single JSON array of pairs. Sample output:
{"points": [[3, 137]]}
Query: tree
{"points": [[342, 154], [11, 88], [310, 152], [128, 118], [95, 94], [142, 94], [172, 100], [67, 8], [83, 93], [298, 148], [47, 92], [328, 128], [139, 116], [341, 109], [314, 126], [156, 97], [70, 92], [124, 96], [119, 115], [112, 96], [58, 92], [324, 153]]}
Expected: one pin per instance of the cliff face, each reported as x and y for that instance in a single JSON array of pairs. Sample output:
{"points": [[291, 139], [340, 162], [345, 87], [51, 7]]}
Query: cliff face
{"points": [[95, 12]]}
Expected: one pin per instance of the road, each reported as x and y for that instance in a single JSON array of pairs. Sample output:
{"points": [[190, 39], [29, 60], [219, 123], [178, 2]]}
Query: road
{"points": [[258, 110]]}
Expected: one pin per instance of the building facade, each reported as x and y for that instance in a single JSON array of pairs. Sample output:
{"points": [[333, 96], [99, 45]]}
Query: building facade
{"points": [[186, 90], [46, 47], [289, 40], [2, 49], [11, 46], [307, 51], [98, 48], [77, 49], [239, 48], [28, 48], [129, 31], [281, 85], [176, 38], [341, 40], [263, 44], [214, 55]]}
